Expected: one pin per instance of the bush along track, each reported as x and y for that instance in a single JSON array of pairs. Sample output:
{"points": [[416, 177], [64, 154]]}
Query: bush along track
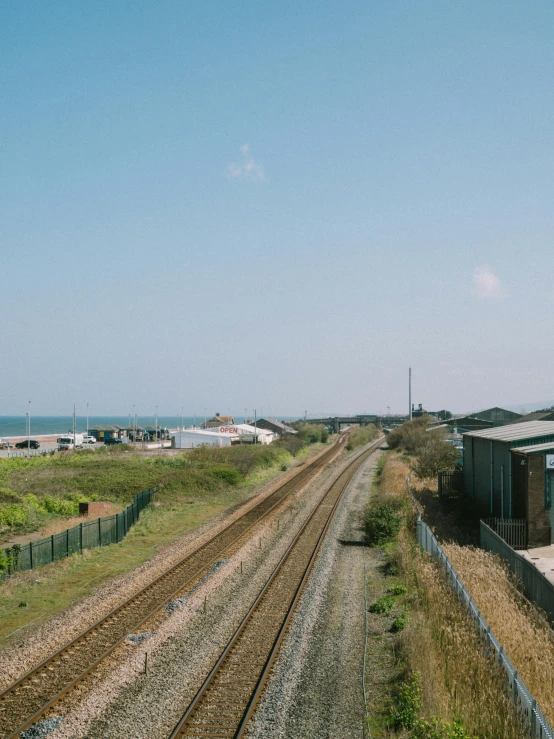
{"points": [[427, 674]]}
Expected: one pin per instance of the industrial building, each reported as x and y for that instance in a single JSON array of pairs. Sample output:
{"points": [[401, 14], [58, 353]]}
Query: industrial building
{"points": [[246, 433], [507, 472], [498, 416], [277, 427], [192, 438]]}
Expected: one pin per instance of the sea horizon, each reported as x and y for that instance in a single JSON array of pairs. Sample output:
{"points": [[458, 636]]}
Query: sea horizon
{"points": [[40, 425]]}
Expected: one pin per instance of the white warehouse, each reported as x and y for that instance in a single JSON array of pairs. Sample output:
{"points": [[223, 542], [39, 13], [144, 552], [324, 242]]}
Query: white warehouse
{"points": [[246, 433], [192, 438]]}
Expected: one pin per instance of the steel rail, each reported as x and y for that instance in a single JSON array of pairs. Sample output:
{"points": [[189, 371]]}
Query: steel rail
{"points": [[18, 710], [225, 702]]}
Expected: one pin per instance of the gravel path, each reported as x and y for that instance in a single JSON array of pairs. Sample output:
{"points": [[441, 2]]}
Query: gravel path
{"points": [[122, 700], [315, 689]]}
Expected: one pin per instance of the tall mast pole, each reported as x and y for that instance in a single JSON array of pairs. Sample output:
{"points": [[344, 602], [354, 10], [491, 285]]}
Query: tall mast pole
{"points": [[410, 392]]}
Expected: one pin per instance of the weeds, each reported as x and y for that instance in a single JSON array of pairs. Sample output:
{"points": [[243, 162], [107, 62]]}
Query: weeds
{"points": [[384, 605], [408, 703], [457, 679], [399, 623], [396, 590], [381, 523]]}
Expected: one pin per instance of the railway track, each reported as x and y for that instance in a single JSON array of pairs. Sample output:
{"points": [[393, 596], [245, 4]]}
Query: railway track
{"points": [[227, 699], [26, 700]]}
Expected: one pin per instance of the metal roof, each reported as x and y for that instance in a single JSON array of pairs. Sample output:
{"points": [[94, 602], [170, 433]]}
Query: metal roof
{"points": [[547, 415], [535, 448], [515, 431]]}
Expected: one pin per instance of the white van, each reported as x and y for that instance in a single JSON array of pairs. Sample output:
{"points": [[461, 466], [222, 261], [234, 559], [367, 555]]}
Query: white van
{"points": [[70, 442]]}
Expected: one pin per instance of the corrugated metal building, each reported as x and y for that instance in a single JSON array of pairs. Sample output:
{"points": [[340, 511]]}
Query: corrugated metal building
{"points": [[494, 475], [498, 416]]}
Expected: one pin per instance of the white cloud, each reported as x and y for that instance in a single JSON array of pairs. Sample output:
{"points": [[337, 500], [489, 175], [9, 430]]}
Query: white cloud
{"points": [[485, 284], [247, 168]]}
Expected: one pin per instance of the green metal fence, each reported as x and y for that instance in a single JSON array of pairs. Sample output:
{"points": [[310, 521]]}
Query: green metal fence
{"points": [[96, 533], [451, 484]]}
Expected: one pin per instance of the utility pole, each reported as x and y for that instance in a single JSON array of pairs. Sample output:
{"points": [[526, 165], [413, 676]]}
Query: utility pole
{"points": [[255, 428], [410, 392], [29, 430], [156, 423], [74, 428], [87, 421]]}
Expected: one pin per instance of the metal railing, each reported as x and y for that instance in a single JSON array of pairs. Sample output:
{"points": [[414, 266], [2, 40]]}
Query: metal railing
{"points": [[451, 484], [512, 530], [538, 725], [96, 533]]}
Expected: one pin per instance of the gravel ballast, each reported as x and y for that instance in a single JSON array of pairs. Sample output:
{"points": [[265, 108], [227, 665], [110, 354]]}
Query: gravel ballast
{"points": [[315, 689], [123, 699], [37, 642]]}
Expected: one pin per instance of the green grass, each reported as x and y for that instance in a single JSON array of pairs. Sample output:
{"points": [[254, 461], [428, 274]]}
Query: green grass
{"points": [[177, 510], [36, 490]]}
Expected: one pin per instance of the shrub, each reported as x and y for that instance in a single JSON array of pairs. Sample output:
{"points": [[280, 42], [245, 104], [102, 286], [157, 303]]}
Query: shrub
{"points": [[383, 605], [396, 590], [382, 524], [434, 455], [4, 561], [15, 515], [410, 436], [438, 729], [408, 704], [227, 474], [399, 623], [361, 435]]}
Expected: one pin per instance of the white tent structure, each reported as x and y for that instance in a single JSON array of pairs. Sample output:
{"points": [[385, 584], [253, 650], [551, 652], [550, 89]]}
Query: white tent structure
{"points": [[246, 433], [192, 438]]}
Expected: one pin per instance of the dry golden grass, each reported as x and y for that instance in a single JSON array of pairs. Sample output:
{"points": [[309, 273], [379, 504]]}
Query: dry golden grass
{"points": [[457, 678], [520, 627]]}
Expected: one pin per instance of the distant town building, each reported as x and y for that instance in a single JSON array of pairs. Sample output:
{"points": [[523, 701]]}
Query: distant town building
{"points": [[101, 433], [271, 424], [547, 414], [217, 420], [420, 411], [498, 416]]}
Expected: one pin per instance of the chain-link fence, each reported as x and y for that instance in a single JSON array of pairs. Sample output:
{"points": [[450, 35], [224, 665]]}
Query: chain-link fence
{"points": [[98, 532], [539, 726]]}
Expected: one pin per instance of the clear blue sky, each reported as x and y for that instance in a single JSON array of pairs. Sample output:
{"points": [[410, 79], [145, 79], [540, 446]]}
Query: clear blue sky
{"points": [[278, 205]]}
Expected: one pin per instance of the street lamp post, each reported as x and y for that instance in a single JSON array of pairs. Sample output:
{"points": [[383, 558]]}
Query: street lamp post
{"points": [[29, 430], [87, 421]]}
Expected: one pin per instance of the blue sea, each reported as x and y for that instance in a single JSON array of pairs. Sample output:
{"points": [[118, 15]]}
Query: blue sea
{"points": [[17, 425]]}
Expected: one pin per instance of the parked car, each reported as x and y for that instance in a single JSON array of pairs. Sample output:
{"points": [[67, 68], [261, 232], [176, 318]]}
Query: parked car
{"points": [[112, 441], [89, 440], [33, 444], [4, 443]]}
